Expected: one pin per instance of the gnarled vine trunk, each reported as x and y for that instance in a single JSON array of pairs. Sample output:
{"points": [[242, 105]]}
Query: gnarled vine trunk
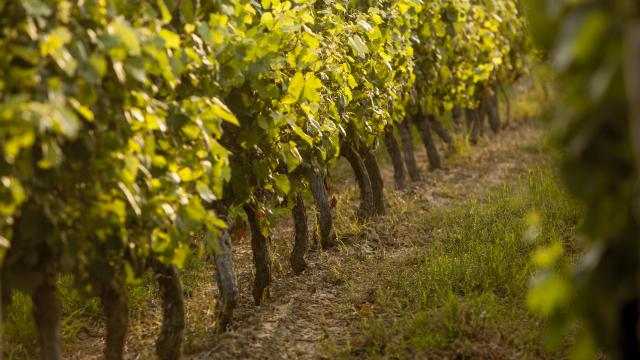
{"points": [[507, 103], [227, 281], [393, 148], [456, 115], [261, 258], [483, 114], [442, 132], [116, 308], [323, 207], [477, 118], [375, 177], [169, 343], [469, 118], [424, 129], [367, 207], [298, 264], [404, 129], [493, 113], [46, 314]]}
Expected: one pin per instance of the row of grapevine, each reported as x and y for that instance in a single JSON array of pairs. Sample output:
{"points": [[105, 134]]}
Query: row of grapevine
{"points": [[131, 128]]}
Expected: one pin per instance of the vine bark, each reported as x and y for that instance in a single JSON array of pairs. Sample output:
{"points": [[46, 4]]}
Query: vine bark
{"points": [[299, 212], [323, 207], [404, 129], [367, 207], [227, 281], [116, 308], [260, 247], [169, 343], [424, 129], [46, 314], [375, 177], [393, 148]]}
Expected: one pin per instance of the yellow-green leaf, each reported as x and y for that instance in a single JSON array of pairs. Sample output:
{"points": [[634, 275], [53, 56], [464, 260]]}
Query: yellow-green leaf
{"points": [[311, 86], [282, 182], [298, 130], [205, 192], [296, 85], [310, 40], [221, 110], [121, 29], [267, 20], [171, 39], [81, 109], [358, 46]]}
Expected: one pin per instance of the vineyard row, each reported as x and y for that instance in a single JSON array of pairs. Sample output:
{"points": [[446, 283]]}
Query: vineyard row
{"points": [[133, 131]]}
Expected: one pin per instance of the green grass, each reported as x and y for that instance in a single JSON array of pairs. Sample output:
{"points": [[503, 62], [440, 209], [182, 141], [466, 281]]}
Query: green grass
{"points": [[465, 295], [19, 329]]}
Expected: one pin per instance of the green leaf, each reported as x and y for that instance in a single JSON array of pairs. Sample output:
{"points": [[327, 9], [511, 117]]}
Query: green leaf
{"points": [[579, 38], [159, 161], [122, 30], [311, 85], [548, 292], [56, 39], [310, 40], [81, 109], [302, 134], [164, 11], [222, 111], [296, 85], [267, 20], [282, 182], [171, 39], [51, 155], [36, 8], [358, 46], [65, 120], [351, 81], [292, 157], [180, 255], [187, 10], [205, 192], [12, 195], [130, 198], [192, 215], [4, 243], [54, 43], [99, 64], [131, 168], [547, 256], [185, 174], [365, 25]]}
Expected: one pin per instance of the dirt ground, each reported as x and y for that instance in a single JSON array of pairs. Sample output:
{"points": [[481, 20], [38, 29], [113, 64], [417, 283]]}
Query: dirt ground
{"points": [[309, 314]]}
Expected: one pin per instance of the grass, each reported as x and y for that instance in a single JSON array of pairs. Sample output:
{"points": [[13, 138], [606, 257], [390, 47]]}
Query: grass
{"points": [[464, 295], [79, 314]]}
